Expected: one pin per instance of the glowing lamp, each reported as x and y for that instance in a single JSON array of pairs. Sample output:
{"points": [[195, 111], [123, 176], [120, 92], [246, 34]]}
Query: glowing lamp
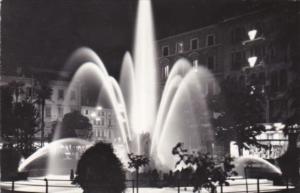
{"points": [[99, 108], [252, 60], [93, 114], [252, 34]]}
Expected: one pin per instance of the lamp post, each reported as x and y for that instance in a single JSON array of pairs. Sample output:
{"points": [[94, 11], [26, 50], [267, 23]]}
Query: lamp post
{"points": [[254, 62]]}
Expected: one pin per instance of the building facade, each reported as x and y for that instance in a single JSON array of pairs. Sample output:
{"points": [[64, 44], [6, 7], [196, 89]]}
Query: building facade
{"points": [[225, 49], [63, 100], [255, 49]]}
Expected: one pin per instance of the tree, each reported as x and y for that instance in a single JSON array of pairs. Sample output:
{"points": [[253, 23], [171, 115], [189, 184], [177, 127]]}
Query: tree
{"points": [[289, 161], [238, 112], [74, 124], [43, 92], [208, 172], [137, 161], [20, 120], [100, 170]]}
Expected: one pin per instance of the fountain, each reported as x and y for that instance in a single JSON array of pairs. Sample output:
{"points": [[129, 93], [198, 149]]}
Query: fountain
{"points": [[146, 126]]}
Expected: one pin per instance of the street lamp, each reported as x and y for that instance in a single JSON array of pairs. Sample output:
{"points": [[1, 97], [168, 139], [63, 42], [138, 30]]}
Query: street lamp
{"points": [[252, 60], [252, 34]]}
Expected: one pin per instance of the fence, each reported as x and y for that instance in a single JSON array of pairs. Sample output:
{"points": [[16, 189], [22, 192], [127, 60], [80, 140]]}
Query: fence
{"points": [[50, 185]]}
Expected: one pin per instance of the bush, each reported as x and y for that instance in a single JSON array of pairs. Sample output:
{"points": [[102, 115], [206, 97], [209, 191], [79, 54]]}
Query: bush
{"points": [[100, 170]]}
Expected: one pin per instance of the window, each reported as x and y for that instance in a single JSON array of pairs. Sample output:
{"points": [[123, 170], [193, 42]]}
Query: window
{"points": [[210, 40], [237, 60], [179, 47], [194, 43], [109, 134], [238, 35], [195, 63], [60, 111], [165, 50], [211, 62], [86, 112], [73, 95], [166, 71], [102, 121], [60, 94], [109, 122], [48, 112]]}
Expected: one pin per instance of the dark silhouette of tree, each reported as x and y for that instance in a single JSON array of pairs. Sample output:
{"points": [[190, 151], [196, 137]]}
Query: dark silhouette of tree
{"points": [[238, 112], [136, 162], [290, 159], [7, 118], [20, 120], [74, 124], [180, 151], [100, 170], [26, 117], [43, 92]]}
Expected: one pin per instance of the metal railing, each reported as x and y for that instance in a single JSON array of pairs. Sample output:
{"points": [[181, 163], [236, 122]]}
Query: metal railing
{"points": [[177, 184]]}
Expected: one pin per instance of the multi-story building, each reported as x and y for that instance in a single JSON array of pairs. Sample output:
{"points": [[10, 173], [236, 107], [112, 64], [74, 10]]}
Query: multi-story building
{"points": [[65, 99], [225, 49], [103, 121], [252, 48]]}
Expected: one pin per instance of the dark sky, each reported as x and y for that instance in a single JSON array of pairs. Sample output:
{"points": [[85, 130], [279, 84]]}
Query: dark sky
{"points": [[43, 33]]}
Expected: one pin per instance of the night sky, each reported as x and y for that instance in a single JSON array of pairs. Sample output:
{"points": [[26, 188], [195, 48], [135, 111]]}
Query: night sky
{"points": [[43, 33]]}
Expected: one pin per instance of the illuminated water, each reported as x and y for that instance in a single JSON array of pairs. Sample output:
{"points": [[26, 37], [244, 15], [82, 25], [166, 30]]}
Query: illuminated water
{"points": [[147, 123]]}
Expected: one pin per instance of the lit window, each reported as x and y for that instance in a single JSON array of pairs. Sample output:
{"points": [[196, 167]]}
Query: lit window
{"points": [[195, 63], [210, 40], [194, 43], [179, 47], [166, 71], [165, 50]]}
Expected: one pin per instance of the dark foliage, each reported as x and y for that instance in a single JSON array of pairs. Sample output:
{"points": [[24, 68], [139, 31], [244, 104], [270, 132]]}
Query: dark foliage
{"points": [[43, 92], [20, 119], [208, 172], [99, 170], [74, 124], [237, 113], [137, 161]]}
